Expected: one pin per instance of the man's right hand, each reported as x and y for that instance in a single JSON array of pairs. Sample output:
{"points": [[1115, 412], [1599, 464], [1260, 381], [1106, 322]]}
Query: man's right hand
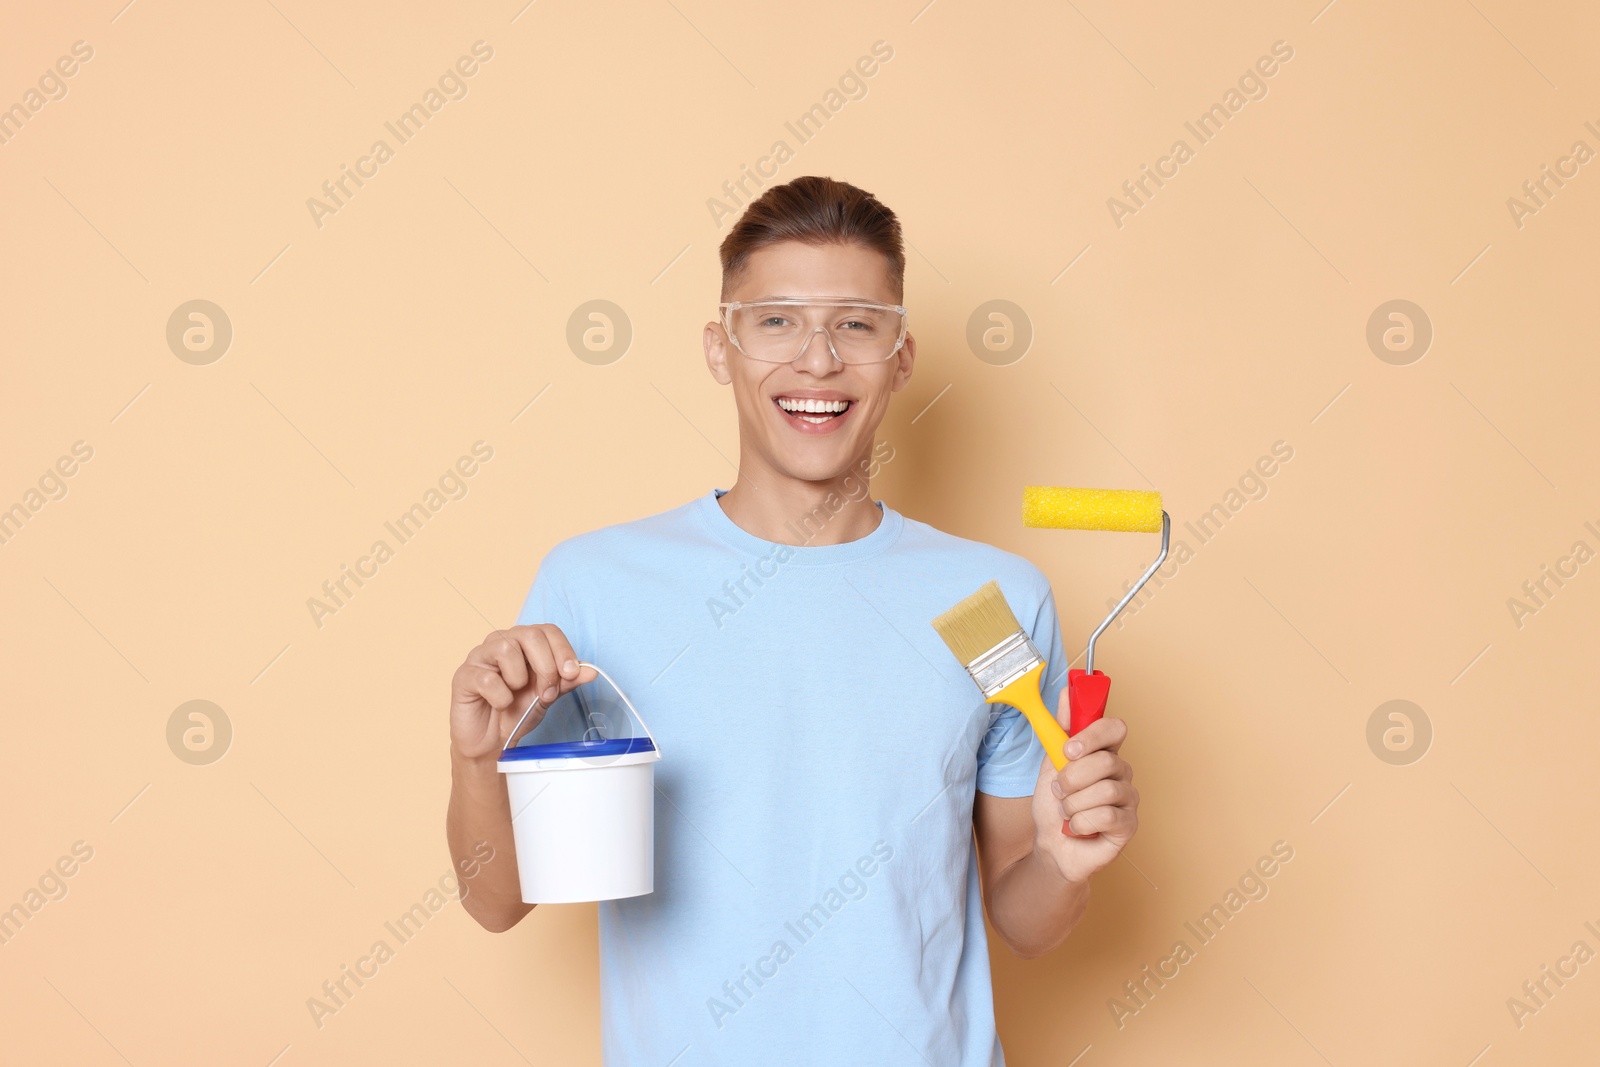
{"points": [[499, 680]]}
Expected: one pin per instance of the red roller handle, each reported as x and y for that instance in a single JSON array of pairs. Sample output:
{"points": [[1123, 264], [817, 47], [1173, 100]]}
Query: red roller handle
{"points": [[1086, 701]]}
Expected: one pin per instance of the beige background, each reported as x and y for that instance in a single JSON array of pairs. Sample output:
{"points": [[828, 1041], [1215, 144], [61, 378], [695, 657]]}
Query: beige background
{"points": [[1227, 314]]}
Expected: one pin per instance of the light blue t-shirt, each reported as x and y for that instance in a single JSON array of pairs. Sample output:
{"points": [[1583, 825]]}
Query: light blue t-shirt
{"points": [[816, 883]]}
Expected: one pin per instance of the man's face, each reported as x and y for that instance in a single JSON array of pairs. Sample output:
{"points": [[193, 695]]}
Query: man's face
{"points": [[791, 445]]}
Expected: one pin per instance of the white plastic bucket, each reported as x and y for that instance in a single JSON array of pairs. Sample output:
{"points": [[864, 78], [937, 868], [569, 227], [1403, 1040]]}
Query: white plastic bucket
{"points": [[583, 814]]}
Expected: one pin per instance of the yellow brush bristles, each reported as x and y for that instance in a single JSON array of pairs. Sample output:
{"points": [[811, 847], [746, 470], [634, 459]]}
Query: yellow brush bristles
{"points": [[1124, 510], [978, 623]]}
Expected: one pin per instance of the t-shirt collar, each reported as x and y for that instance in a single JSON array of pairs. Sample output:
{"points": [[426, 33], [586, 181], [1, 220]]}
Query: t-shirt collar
{"points": [[887, 531]]}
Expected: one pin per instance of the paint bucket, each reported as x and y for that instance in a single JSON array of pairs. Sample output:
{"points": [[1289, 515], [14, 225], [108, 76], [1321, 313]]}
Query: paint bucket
{"points": [[582, 802]]}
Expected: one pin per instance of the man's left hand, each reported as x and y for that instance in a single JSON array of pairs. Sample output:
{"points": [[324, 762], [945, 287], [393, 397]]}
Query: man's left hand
{"points": [[1095, 792]]}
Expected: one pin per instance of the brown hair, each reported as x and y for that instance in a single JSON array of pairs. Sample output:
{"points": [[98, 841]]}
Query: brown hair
{"points": [[815, 211]]}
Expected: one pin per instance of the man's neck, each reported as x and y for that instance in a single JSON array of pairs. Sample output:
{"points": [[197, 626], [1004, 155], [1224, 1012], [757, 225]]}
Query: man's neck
{"points": [[788, 511]]}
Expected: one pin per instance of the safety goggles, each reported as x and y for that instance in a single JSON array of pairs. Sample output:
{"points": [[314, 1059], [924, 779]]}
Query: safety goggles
{"points": [[778, 331]]}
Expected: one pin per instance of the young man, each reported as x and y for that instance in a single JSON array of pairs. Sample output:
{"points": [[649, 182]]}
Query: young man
{"points": [[827, 763]]}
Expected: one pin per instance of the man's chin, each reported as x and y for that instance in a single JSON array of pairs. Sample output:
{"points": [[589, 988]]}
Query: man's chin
{"points": [[810, 469]]}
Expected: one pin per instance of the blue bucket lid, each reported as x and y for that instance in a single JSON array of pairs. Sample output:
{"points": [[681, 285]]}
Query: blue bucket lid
{"points": [[615, 746]]}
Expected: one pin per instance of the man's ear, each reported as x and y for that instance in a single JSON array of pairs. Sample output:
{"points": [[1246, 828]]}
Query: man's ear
{"points": [[906, 359], [716, 345]]}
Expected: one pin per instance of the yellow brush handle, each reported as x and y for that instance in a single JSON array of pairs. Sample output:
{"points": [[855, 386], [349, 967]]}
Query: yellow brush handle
{"points": [[1023, 694]]}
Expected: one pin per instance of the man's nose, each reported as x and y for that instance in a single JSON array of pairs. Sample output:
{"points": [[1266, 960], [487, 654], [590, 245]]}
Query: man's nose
{"points": [[817, 357]]}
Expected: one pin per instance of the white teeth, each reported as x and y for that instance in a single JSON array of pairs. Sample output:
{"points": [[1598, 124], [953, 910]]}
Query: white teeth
{"points": [[794, 404]]}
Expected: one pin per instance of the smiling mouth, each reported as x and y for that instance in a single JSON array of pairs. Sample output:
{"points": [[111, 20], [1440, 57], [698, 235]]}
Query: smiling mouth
{"points": [[815, 412]]}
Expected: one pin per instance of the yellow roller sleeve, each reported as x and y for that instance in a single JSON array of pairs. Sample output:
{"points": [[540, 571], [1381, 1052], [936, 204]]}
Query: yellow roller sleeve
{"points": [[1124, 510]]}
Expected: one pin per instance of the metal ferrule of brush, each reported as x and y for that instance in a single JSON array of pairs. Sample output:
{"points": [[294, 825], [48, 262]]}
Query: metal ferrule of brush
{"points": [[1004, 663], [1166, 533]]}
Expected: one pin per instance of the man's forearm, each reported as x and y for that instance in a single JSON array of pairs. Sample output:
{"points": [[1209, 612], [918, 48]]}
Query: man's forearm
{"points": [[1033, 908], [480, 811]]}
